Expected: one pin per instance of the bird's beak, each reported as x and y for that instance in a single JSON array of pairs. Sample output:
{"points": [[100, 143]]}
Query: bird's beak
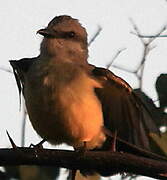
{"points": [[45, 32]]}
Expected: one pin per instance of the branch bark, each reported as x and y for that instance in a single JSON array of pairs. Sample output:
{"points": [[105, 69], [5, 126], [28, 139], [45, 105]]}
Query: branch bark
{"points": [[102, 162]]}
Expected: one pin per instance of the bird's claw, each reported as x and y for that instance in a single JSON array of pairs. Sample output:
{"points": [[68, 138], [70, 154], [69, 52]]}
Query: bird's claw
{"points": [[81, 150], [113, 136], [38, 146], [113, 145], [72, 174]]}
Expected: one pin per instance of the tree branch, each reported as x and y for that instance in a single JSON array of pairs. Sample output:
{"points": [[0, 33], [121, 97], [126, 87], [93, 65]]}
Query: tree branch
{"points": [[23, 129], [115, 56], [105, 162], [95, 35], [147, 47], [6, 69]]}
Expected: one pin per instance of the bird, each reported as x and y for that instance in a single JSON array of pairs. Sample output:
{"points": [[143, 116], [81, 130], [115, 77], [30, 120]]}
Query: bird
{"points": [[71, 101]]}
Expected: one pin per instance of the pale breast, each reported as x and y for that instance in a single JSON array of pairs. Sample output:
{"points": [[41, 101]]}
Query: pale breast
{"points": [[65, 111], [84, 115]]}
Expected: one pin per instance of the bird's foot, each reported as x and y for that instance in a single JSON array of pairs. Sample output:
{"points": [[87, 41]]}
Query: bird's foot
{"points": [[114, 141], [113, 136], [80, 150], [11, 141], [38, 146], [72, 174]]}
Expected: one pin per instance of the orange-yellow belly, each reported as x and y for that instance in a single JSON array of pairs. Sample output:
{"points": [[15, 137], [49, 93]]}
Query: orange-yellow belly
{"points": [[71, 114]]}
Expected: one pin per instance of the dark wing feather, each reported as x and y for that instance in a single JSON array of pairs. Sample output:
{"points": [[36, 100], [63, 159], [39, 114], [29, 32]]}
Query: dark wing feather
{"points": [[19, 69], [123, 110]]}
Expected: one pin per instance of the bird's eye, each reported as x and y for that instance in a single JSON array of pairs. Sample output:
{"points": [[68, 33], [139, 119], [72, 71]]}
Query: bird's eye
{"points": [[71, 34]]}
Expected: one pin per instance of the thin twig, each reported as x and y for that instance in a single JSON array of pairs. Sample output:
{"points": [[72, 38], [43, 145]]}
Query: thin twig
{"points": [[151, 36], [137, 31], [123, 69], [6, 69], [24, 116], [147, 47], [115, 56], [95, 35]]}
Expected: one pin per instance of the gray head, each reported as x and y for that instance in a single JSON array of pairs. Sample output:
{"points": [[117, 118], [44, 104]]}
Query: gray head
{"points": [[64, 37]]}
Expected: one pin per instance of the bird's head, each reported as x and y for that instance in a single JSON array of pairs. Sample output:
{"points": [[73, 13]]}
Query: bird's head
{"points": [[64, 37]]}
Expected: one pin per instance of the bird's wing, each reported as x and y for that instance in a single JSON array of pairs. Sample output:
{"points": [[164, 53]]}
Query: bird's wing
{"points": [[19, 69], [123, 110]]}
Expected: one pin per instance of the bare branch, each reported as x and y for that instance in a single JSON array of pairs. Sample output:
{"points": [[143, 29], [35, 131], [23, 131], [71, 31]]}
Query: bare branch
{"points": [[158, 34], [123, 69], [115, 56], [6, 69], [24, 116], [151, 36], [106, 162], [95, 35], [137, 31], [147, 48], [139, 71]]}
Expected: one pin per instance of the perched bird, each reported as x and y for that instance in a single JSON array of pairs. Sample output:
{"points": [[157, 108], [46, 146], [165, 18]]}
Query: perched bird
{"points": [[70, 101]]}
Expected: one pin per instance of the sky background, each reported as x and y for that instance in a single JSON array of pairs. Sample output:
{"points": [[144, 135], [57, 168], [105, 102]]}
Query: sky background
{"points": [[20, 20]]}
